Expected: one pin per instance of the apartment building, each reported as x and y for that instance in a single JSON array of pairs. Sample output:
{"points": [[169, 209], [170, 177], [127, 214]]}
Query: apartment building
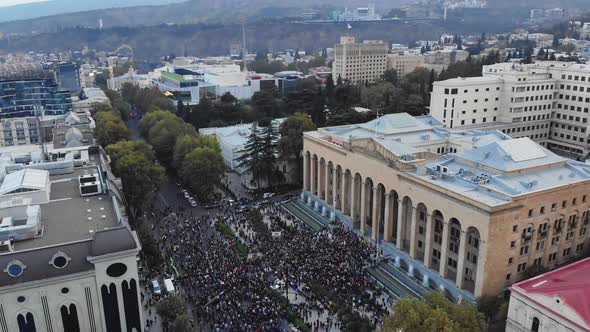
{"points": [[546, 101], [359, 62]]}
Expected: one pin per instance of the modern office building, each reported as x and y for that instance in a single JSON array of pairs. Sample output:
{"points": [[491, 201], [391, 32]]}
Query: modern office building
{"points": [[404, 63], [68, 75], [555, 301], [67, 254], [546, 101], [359, 62], [191, 82], [467, 211], [28, 90]]}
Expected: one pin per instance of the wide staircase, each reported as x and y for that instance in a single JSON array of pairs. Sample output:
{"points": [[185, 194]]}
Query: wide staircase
{"points": [[309, 216], [393, 278]]}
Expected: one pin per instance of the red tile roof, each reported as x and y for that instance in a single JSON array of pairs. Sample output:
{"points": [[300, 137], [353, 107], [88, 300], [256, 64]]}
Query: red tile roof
{"points": [[571, 283]]}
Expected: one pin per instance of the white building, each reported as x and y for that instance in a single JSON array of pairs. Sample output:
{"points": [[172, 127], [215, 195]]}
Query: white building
{"points": [[359, 62], [116, 83], [546, 101], [67, 255], [357, 14], [190, 83], [553, 302], [233, 139]]}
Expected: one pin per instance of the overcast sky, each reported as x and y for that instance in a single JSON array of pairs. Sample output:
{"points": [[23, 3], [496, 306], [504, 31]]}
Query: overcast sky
{"points": [[6, 3]]}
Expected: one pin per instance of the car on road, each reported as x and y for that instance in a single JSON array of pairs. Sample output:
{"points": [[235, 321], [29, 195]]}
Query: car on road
{"points": [[156, 287]]}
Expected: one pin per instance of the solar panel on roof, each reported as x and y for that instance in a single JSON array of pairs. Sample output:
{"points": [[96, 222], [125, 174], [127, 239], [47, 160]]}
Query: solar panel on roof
{"points": [[522, 149]]}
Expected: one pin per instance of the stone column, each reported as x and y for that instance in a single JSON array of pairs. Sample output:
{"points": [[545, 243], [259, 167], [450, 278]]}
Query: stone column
{"points": [[400, 227], [461, 259], [428, 241], [443, 250], [376, 210], [481, 263], [305, 172], [387, 220], [353, 199], [413, 233], [363, 208], [314, 176], [335, 187], [327, 185], [344, 194]]}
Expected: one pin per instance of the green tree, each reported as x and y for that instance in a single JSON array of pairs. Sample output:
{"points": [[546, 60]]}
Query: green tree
{"points": [[110, 129], [390, 75], [182, 324], [134, 163], [187, 143], [269, 154], [169, 309], [201, 170], [433, 313], [250, 158], [291, 141], [265, 105]]}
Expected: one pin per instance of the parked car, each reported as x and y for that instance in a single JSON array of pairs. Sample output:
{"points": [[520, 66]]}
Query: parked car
{"points": [[169, 286], [156, 287]]}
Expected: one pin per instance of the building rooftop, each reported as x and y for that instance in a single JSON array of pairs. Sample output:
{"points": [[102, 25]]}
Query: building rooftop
{"points": [[234, 136], [486, 166], [564, 292], [174, 76], [70, 217], [79, 227]]}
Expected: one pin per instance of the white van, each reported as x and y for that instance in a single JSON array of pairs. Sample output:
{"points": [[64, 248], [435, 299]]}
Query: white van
{"points": [[156, 287], [169, 286]]}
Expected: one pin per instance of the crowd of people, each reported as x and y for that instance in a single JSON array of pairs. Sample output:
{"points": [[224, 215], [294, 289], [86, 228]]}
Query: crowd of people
{"points": [[228, 291]]}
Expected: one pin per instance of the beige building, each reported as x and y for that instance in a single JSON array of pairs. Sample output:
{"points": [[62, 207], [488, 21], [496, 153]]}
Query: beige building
{"points": [[404, 63], [359, 62], [471, 208]]}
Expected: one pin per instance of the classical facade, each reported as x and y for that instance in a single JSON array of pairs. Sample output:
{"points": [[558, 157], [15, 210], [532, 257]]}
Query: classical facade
{"points": [[475, 207], [68, 258], [359, 62], [553, 302], [546, 101]]}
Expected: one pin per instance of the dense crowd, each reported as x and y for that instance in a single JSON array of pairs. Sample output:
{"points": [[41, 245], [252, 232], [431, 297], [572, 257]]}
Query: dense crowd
{"points": [[226, 291]]}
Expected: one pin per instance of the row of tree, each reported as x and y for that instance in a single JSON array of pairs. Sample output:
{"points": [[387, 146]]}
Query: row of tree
{"points": [[146, 99], [196, 159]]}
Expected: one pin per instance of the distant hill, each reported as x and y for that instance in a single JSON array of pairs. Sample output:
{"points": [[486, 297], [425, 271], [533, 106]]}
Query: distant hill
{"points": [[191, 11], [57, 7], [214, 39]]}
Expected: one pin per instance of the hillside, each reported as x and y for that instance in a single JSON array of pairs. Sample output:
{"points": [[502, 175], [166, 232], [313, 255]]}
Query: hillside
{"points": [[207, 39], [191, 11]]}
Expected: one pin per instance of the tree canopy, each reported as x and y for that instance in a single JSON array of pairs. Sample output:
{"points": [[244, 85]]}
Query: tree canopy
{"points": [[134, 163], [433, 313], [110, 128]]}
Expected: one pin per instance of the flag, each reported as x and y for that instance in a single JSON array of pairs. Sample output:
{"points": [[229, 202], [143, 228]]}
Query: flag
{"points": [[349, 27]]}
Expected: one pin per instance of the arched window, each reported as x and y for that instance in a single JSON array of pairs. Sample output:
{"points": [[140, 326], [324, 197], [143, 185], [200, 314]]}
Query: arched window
{"points": [[111, 307], [69, 318], [26, 323], [536, 324]]}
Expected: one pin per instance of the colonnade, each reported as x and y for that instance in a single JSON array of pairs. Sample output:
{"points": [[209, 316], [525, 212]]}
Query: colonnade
{"points": [[442, 244]]}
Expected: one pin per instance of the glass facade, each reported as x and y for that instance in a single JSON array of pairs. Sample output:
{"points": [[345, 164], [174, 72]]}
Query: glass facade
{"points": [[31, 97], [69, 76]]}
